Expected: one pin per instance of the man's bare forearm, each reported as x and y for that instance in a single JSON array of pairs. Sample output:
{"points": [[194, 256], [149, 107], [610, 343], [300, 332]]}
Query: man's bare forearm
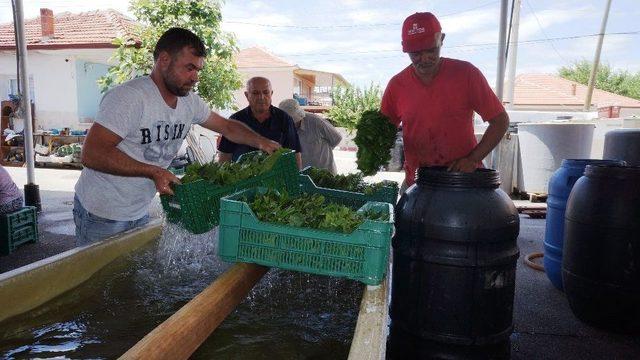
{"points": [[114, 161], [240, 133], [497, 128]]}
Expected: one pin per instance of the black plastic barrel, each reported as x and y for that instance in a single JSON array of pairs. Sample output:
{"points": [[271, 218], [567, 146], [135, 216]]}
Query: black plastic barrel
{"points": [[454, 262], [623, 144], [560, 186], [602, 248]]}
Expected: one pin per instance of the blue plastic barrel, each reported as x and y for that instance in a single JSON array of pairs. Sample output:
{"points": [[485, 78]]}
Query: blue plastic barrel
{"points": [[560, 186]]}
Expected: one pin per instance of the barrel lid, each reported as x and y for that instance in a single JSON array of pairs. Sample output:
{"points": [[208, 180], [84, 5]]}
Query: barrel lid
{"points": [[582, 163], [613, 171], [439, 176], [623, 132]]}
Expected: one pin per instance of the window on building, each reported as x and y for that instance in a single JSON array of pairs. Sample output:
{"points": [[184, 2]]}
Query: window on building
{"points": [[13, 88]]}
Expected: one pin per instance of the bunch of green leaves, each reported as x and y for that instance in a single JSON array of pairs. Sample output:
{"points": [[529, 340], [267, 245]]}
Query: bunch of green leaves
{"points": [[350, 102], [308, 211], [350, 182], [375, 137], [227, 173], [134, 55]]}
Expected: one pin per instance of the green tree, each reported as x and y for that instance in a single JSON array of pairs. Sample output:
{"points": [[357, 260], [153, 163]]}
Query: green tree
{"points": [[134, 57], [619, 82], [350, 102]]}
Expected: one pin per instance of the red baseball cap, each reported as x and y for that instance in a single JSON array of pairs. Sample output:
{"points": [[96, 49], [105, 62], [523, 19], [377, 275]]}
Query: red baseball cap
{"points": [[421, 31]]}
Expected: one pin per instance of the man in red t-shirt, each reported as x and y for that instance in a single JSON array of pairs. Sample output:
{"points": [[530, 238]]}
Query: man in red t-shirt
{"points": [[434, 98]]}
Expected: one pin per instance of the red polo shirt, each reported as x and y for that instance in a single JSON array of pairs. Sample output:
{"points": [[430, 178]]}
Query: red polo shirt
{"points": [[437, 119]]}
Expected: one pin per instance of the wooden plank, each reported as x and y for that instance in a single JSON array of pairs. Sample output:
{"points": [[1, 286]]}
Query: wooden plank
{"points": [[538, 197], [370, 337], [180, 335]]}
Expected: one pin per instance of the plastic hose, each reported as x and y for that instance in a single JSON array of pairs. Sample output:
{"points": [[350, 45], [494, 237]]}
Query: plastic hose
{"points": [[528, 260]]}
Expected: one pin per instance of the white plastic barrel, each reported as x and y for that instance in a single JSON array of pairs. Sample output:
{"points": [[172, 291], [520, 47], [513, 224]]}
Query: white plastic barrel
{"points": [[544, 145]]}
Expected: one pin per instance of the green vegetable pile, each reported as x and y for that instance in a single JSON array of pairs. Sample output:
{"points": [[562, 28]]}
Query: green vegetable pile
{"points": [[375, 137], [310, 211], [350, 182], [223, 174]]}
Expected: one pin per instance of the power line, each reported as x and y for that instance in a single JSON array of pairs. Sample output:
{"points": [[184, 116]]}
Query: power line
{"points": [[544, 33], [546, 39]]}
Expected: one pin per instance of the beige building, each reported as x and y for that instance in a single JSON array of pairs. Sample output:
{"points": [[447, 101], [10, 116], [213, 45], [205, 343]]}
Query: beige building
{"points": [[287, 79]]}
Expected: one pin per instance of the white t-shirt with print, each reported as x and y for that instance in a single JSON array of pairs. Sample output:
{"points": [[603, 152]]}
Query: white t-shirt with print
{"points": [[151, 132]]}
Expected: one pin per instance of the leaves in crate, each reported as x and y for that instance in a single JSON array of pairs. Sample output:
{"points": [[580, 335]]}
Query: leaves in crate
{"points": [[307, 211], [227, 173], [350, 182], [375, 215]]}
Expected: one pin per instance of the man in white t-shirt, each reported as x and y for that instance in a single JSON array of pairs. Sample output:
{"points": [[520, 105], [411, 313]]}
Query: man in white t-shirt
{"points": [[139, 129]]}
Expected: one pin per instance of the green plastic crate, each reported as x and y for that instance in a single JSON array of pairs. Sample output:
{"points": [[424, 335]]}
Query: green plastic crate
{"points": [[196, 205], [387, 194], [361, 255], [18, 228], [177, 171]]}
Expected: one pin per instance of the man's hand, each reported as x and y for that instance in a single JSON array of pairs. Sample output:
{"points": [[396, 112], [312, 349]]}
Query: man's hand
{"points": [[267, 145], [163, 179], [465, 164]]}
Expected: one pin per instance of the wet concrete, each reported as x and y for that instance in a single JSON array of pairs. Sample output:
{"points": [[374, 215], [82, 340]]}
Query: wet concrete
{"points": [[56, 229]]}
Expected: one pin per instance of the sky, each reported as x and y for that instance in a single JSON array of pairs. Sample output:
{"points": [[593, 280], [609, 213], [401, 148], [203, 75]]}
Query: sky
{"points": [[360, 39]]}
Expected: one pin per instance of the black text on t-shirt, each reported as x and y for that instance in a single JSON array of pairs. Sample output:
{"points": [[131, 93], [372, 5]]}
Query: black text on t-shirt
{"points": [[161, 133]]}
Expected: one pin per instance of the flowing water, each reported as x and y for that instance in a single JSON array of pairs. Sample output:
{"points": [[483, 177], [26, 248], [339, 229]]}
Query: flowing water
{"points": [[287, 315]]}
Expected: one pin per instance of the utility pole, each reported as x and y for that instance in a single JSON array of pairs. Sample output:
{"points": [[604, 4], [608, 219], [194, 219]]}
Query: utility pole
{"points": [[504, 5], [596, 60], [31, 190], [513, 54]]}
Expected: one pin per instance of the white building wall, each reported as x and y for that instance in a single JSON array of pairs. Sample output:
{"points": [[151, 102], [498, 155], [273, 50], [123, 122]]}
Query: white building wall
{"points": [[281, 83], [54, 78]]}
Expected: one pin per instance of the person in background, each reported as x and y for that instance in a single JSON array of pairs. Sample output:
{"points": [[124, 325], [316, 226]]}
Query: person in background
{"points": [[317, 136], [265, 119], [434, 98], [139, 129], [10, 196]]}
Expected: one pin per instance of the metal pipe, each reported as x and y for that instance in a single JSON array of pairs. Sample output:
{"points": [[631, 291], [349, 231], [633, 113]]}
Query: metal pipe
{"points": [[504, 5], [32, 196], [596, 60], [513, 55]]}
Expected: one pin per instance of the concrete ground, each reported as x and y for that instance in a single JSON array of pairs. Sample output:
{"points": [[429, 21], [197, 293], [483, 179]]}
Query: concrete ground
{"points": [[545, 328]]}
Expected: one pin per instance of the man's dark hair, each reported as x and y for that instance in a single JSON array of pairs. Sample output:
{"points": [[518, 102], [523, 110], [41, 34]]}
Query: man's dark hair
{"points": [[175, 39]]}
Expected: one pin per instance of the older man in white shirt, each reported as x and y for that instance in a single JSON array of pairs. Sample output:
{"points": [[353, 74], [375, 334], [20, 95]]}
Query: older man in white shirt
{"points": [[317, 136]]}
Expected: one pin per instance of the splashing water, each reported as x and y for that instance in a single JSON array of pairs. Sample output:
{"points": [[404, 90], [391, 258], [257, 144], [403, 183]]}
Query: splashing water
{"points": [[286, 315]]}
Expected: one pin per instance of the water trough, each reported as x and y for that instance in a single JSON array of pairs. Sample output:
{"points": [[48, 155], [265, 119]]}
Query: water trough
{"points": [[30, 287]]}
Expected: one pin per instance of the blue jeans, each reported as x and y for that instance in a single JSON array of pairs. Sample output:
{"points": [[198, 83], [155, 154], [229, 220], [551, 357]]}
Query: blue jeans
{"points": [[91, 228]]}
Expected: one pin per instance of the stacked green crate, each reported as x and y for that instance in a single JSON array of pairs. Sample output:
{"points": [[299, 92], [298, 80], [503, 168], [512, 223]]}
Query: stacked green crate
{"points": [[196, 205], [361, 255], [388, 194], [18, 228]]}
